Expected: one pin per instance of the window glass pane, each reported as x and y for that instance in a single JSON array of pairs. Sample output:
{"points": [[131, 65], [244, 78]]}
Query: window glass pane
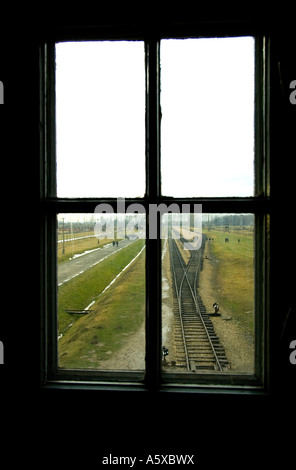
{"points": [[208, 294], [207, 128], [100, 119], [101, 291]]}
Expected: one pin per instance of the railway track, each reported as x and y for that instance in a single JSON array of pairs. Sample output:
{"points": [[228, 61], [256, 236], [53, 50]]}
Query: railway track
{"points": [[197, 345]]}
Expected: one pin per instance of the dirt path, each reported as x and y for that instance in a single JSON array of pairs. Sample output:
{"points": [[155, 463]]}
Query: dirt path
{"points": [[70, 269], [132, 354]]}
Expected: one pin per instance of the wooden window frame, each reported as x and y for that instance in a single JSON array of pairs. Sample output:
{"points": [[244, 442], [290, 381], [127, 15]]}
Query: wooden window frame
{"points": [[50, 206]]}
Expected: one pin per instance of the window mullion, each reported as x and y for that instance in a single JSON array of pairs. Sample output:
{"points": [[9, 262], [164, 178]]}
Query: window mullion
{"points": [[153, 189], [153, 246], [261, 170]]}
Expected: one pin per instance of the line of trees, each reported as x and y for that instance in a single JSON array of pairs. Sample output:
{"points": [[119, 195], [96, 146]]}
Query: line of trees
{"points": [[228, 220]]}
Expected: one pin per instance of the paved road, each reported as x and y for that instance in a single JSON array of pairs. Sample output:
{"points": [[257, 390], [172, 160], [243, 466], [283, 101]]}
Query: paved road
{"points": [[74, 267]]}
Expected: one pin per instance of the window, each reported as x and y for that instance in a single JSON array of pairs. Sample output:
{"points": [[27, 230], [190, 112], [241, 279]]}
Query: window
{"points": [[207, 103], [100, 119], [154, 211], [101, 292]]}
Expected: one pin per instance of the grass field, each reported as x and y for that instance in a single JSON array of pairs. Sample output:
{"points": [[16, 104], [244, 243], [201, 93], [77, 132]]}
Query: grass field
{"points": [[78, 245], [234, 274], [87, 340]]}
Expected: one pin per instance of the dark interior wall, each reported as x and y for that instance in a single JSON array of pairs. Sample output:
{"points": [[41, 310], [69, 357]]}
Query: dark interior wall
{"points": [[225, 427], [282, 152]]}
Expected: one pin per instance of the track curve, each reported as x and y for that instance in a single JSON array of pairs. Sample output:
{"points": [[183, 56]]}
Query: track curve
{"points": [[197, 345]]}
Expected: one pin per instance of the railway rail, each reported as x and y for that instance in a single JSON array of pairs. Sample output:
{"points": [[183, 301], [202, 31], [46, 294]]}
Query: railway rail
{"points": [[197, 345]]}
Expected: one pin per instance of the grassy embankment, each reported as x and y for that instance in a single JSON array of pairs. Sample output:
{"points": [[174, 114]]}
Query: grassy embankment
{"points": [[115, 314], [233, 278]]}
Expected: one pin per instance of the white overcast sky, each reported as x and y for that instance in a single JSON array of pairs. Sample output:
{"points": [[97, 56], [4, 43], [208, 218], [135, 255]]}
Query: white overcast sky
{"points": [[207, 128]]}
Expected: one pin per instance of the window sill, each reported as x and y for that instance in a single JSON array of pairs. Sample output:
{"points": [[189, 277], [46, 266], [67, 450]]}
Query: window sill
{"points": [[170, 388]]}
